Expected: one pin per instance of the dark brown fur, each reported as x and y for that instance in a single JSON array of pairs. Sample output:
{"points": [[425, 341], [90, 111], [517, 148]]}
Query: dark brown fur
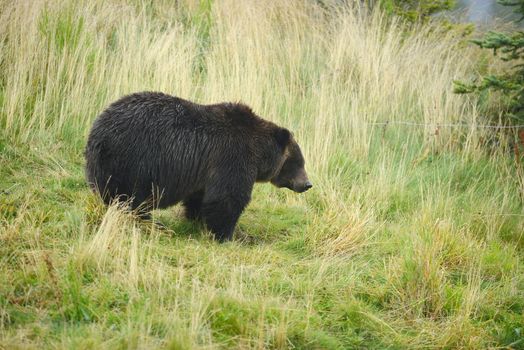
{"points": [[156, 150]]}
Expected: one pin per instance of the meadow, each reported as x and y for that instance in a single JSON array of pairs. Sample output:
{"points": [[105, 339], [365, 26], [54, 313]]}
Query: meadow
{"points": [[412, 236]]}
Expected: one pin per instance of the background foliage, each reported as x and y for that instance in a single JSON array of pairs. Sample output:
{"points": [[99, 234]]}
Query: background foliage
{"points": [[415, 10], [508, 47]]}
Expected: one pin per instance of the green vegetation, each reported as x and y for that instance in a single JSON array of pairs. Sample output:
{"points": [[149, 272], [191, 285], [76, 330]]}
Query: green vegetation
{"points": [[411, 238], [415, 10], [510, 83]]}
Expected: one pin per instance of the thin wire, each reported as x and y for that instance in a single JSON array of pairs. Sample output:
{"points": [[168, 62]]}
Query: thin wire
{"points": [[503, 214], [451, 125]]}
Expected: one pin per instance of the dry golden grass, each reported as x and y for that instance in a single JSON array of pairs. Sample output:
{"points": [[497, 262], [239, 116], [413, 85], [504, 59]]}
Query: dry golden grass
{"points": [[411, 238]]}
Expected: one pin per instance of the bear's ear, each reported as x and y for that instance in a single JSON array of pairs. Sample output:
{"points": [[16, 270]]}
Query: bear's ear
{"points": [[282, 136]]}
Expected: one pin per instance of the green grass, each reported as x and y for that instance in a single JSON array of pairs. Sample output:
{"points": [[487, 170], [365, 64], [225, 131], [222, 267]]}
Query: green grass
{"points": [[408, 239]]}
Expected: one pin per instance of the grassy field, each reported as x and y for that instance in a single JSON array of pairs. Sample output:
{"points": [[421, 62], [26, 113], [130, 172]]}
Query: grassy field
{"points": [[411, 238]]}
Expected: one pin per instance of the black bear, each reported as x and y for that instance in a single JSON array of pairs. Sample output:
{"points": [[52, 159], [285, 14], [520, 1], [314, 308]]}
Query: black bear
{"points": [[156, 150]]}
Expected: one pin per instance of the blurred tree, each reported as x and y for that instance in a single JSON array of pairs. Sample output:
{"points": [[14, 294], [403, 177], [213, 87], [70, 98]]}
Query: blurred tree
{"points": [[509, 47]]}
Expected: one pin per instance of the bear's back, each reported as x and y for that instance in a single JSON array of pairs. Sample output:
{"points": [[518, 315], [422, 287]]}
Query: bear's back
{"points": [[156, 110]]}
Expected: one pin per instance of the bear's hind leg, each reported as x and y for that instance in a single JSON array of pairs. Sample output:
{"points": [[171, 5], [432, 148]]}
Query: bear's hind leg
{"points": [[193, 206]]}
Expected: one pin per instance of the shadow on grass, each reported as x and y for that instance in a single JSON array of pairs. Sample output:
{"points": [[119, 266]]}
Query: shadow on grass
{"points": [[250, 231], [258, 225], [175, 224], [180, 227]]}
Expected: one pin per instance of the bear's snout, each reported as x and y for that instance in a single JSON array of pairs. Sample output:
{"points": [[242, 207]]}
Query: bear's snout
{"points": [[303, 187], [307, 186]]}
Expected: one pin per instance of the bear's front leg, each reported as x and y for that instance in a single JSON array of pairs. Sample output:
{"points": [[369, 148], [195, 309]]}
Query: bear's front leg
{"points": [[221, 214]]}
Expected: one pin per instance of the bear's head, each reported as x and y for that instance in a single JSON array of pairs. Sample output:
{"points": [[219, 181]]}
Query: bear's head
{"points": [[291, 173]]}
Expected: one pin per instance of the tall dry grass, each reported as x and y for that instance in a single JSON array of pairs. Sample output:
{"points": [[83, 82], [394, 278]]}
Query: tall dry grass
{"points": [[410, 238], [326, 73]]}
